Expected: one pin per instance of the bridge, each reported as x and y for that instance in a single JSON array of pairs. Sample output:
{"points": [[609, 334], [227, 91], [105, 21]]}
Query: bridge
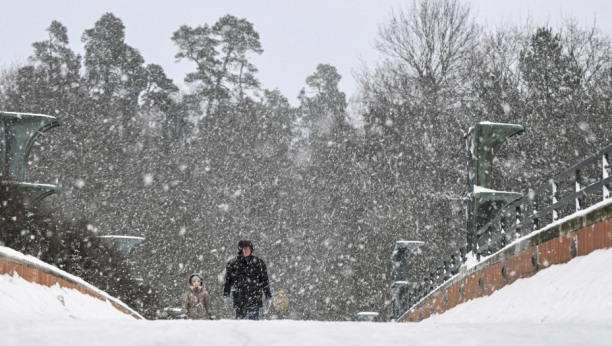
{"points": [[530, 272]]}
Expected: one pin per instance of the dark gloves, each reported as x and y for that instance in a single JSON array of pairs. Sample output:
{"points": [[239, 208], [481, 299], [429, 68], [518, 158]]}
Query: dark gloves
{"points": [[227, 302], [267, 304]]}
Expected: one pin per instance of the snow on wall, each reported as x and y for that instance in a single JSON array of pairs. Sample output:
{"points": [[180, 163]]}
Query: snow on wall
{"points": [[579, 291], [590, 230], [23, 300], [13, 262]]}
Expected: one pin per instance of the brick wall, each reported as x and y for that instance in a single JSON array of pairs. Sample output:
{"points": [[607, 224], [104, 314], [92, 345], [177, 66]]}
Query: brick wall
{"points": [[47, 279], [523, 264]]}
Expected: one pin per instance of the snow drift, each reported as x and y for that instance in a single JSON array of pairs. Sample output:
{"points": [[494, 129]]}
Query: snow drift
{"points": [[579, 291], [24, 300]]}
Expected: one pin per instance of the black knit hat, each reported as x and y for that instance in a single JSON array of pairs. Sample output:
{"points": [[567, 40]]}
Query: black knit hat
{"points": [[244, 243]]}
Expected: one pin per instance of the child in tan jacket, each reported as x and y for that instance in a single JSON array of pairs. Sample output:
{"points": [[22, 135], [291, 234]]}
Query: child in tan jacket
{"points": [[196, 302]]}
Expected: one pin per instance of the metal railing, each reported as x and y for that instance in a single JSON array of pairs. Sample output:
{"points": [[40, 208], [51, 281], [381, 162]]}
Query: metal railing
{"points": [[496, 234]]}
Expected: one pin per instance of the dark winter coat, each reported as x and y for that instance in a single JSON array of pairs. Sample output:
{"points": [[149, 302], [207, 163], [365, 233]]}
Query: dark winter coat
{"points": [[249, 277], [196, 302]]}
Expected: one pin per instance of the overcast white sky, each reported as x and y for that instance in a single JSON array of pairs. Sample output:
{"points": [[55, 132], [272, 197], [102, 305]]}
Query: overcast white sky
{"points": [[296, 35]]}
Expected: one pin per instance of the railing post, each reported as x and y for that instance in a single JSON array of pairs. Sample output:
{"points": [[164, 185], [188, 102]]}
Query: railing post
{"points": [[578, 182], [477, 249], [409, 293], [489, 238], [555, 199], [432, 280], [446, 270], [604, 165], [503, 241], [518, 220], [535, 211]]}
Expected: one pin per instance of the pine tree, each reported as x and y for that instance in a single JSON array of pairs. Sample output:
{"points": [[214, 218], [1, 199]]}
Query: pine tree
{"points": [[51, 83], [220, 52], [550, 76], [115, 75]]}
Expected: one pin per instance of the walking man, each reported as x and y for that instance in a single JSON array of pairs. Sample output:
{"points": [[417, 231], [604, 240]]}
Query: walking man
{"points": [[249, 277]]}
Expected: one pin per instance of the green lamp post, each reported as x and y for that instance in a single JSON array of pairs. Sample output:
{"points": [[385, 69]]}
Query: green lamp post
{"points": [[366, 316], [18, 132], [399, 259], [125, 244], [484, 204]]}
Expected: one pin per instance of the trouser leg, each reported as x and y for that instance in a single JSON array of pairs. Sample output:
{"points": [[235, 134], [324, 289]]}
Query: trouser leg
{"points": [[253, 314]]}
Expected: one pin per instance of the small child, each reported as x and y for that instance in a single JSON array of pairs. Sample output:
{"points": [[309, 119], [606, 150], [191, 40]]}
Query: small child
{"points": [[196, 301]]}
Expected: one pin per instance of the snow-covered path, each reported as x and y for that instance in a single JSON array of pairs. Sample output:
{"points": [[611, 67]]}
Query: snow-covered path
{"points": [[568, 304], [294, 333]]}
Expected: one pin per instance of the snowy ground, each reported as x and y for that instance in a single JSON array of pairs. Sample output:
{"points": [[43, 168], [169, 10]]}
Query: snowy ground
{"points": [[569, 304], [293, 333]]}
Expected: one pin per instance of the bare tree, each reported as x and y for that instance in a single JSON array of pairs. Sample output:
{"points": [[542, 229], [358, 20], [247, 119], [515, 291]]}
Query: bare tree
{"points": [[433, 41], [591, 50], [500, 49]]}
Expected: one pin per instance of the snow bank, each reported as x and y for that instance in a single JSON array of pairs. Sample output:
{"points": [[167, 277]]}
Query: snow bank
{"points": [[296, 333], [579, 291], [23, 300], [34, 262]]}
